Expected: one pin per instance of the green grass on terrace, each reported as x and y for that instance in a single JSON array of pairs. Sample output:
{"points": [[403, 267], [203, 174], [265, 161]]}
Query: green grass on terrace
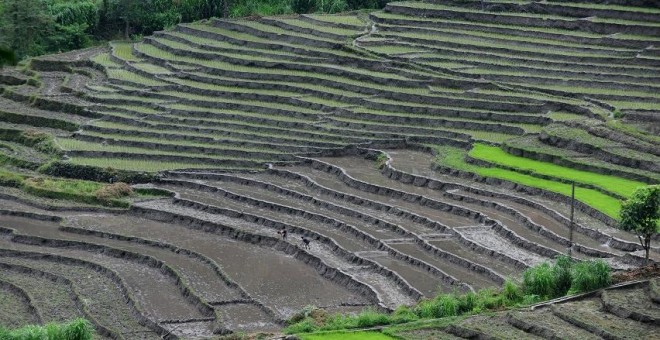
{"points": [[393, 16], [286, 133], [634, 105], [494, 137], [339, 19], [246, 113], [135, 108], [129, 76], [151, 68], [104, 60], [326, 29], [618, 185], [482, 59], [124, 97], [139, 164], [454, 158], [432, 6], [529, 128], [155, 52], [477, 42], [597, 90], [452, 95], [78, 145], [251, 38], [230, 89], [395, 49], [280, 31], [361, 335], [515, 38], [225, 45], [124, 51], [215, 122], [165, 141], [279, 106]]}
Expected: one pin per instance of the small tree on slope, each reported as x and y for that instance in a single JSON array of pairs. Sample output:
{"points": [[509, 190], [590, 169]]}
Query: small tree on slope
{"points": [[641, 214]]}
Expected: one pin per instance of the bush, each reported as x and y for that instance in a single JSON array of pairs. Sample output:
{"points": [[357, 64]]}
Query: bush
{"points": [[79, 329], [590, 275], [370, 318], [512, 292], [303, 6], [539, 280], [562, 275]]}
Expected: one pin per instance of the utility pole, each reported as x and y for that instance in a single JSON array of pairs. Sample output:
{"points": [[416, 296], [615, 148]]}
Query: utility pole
{"points": [[570, 227]]}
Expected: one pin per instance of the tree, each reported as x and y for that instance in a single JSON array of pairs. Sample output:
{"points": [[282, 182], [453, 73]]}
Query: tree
{"points": [[25, 24], [7, 57], [641, 214]]}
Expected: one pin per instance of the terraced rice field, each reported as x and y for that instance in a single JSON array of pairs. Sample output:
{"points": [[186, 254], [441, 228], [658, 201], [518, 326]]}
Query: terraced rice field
{"points": [[424, 148]]}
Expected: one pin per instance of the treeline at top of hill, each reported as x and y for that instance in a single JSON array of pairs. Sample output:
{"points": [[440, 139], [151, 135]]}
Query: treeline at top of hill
{"points": [[36, 27]]}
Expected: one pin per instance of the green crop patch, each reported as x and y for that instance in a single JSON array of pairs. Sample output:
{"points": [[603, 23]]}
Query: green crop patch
{"points": [[498, 156], [455, 158]]}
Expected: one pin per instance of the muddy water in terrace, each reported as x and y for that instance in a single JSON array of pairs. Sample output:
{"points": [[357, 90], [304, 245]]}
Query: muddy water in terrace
{"points": [[263, 194], [245, 317], [156, 293], [276, 279], [460, 273], [345, 240], [299, 186], [330, 181], [453, 246]]}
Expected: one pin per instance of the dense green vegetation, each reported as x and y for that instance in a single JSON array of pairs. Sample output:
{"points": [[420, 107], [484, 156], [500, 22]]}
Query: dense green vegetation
{"points": [[79, 329], [36, 27], [641, 214], [455, 158], [539, 283]]}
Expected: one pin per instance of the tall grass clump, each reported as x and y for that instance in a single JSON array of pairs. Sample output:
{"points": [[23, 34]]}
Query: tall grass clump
{"points": [[590, 275], [541, 282], [79, 329]]}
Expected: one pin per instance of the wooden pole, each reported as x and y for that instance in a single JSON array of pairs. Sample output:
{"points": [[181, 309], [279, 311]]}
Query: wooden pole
{"points": [[570, 237]]}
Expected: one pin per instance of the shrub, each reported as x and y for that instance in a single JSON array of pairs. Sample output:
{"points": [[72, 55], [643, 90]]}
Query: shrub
{"points": [[590, 275], [539, 280], [403, 314], [561, 273], [303, 6], [370, 318], [512, 292], [79, 329]]}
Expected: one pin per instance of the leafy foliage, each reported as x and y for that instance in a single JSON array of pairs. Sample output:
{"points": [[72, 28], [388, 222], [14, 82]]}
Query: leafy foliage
{"points": [[79, 329], [543, 281], [641, 213]]}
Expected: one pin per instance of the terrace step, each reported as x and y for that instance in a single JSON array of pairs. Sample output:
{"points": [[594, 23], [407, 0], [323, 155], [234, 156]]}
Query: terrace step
{"points": [[30, 232], [547, 325], [633, 304], [589, 315], [109, 308], [206, 230], [515, 19], [367, 203], [17, 300], [489, 239], [53, 301], [396, 260]]}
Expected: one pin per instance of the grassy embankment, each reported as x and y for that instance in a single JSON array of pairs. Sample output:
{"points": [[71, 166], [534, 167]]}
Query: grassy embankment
{"points": [[539, 283]]}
